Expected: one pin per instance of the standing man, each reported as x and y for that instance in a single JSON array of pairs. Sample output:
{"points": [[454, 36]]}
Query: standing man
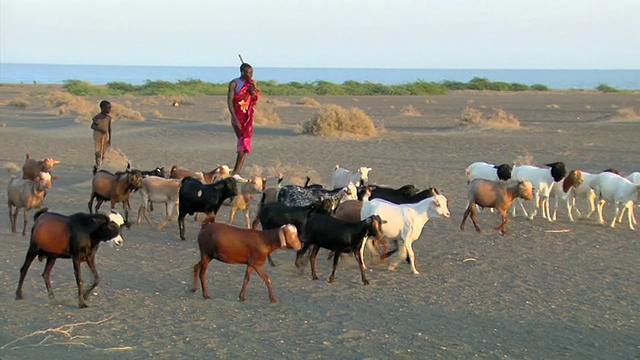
{"points": [[242, 98]]}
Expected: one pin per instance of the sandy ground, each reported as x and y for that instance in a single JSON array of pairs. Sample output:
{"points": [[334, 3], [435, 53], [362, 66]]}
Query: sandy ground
{"points": [[532, 294]]}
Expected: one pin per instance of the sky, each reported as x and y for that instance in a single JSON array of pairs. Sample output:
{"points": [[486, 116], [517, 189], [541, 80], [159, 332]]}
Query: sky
{"points": [[397, 34]]}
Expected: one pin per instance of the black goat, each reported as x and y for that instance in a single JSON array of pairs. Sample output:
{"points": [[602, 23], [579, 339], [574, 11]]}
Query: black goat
{"points": [[195, 196], [383, 192], [338, 236]]}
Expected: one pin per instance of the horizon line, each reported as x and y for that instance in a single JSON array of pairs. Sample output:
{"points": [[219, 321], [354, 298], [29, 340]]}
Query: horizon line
{"points": [[329, 67]]}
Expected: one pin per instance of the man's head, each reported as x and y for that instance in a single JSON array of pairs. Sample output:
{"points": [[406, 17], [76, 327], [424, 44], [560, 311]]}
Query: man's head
{"points": [[246, 71], [105, 107]]}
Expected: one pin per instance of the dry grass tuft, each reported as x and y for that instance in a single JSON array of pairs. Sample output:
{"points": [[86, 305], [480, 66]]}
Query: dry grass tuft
{"points": [[116, 159], [307, 101], [526, 159], [409, 110], [293, 173], [627, 113], [430, 101], [12, 167], [157, 114], [71, 104], [500, 119], [149, 102], [121, 112], [265, 114], [334, 120], [553, 106], [20, 103], [277, 102]]}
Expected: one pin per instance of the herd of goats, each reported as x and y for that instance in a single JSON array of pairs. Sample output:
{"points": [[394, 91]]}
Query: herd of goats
{"points": [[304, 218]]}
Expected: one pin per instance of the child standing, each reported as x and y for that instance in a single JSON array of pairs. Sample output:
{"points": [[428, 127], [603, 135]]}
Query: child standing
{"points": [[101, 125]]}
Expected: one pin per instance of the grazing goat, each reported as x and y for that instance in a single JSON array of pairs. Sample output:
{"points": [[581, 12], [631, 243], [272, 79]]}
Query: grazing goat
{"points": [[338, 236], [620, 191], [160, 190], [342, 177], [483, 170], [242, 201], [405, 222], [495, 194], [158, 171], [233, 245], [32, 167], [195, 196], [26, 194], [220, 172], [542, 181], [115, 188], [76, 237]]}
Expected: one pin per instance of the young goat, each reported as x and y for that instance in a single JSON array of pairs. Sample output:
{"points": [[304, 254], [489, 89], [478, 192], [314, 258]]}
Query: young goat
{"points": [[26, 194], [342, 177], [338, 236], [233, 245], [495, 194], [618, 190], [242, 201], [32, 167], [76, 237], [115, 188], [160, 190], [543, 181]]}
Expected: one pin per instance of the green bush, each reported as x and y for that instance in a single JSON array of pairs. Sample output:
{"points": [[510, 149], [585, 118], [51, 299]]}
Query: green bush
{"points": [[606, 88], [539, 87]]}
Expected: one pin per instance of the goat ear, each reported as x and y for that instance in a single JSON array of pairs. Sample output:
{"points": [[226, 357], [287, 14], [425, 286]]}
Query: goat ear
{"points": [[55, 162]]}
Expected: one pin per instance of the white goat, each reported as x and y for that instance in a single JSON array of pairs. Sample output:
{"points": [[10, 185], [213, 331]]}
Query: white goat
{"points": [[405, 222], [543, 181], [26, 194], [620, 191], [486, 171], [342, 176], [159, 190]]}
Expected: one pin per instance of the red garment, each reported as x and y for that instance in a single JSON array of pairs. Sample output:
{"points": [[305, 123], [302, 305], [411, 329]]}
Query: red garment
{"points": [[244, 106]]}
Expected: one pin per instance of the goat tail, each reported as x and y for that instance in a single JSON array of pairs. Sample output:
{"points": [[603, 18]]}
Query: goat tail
{"points": [[211, 218], [468, 176], [28, 157], [40, 212]]}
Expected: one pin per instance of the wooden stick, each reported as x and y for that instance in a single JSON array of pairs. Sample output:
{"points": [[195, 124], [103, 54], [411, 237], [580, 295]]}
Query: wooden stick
{"points": [[240, 56]]}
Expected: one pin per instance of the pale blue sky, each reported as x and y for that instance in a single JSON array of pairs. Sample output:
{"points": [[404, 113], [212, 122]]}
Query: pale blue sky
{"points": [[491, 34]]}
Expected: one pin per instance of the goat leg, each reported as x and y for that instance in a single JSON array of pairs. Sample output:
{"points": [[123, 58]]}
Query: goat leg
{"points": [[91, 263], [267, 281], [314, 253], [31, 255], [245, 284], [76, 269], [46, 275], [271, 263], [336, 258], [204, 263], [361, 266], [26, 221]]}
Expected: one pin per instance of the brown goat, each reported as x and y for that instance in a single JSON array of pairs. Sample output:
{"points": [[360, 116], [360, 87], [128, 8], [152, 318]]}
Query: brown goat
{"points": [[115, 188], [32, 167], [242, 201], [233, 245], [495, 194], [220, 172]]}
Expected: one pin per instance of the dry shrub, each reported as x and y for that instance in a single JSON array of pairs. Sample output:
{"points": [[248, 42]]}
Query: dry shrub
{"points": [[71, 104], [430, 101], [265, 114], [149, 102], [307, 101], [627, 113], [182, 101], [157, 114], [277, 102], [553, 106], [19, 103], [409, 110], [116, 159], [526, 159], [12, 167], [499, 119], [471, 101], [614, 106], [292, 173], [121, 112], [334, 120]]}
